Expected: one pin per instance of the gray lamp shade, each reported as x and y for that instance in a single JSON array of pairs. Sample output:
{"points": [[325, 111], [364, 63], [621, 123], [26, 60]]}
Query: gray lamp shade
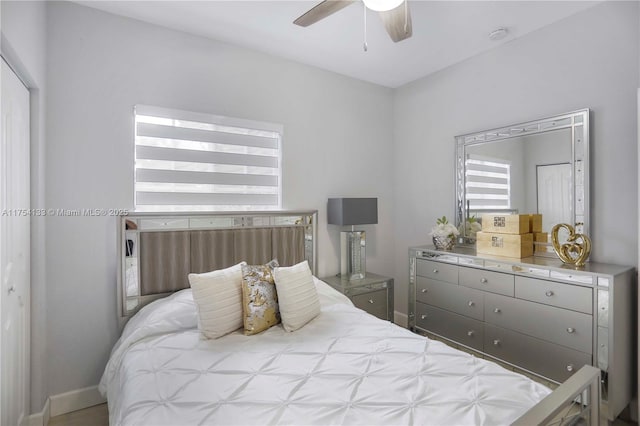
{"points": [[352, 211]]}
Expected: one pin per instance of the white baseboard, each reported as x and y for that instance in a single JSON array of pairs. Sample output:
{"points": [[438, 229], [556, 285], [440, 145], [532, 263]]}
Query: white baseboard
{"points": [[64, 403], [41, 418], [75, 400], [401, 319]]}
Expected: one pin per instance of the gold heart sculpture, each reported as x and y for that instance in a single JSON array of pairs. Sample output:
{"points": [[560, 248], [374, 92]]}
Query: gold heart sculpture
{"points": [[577, 248]]}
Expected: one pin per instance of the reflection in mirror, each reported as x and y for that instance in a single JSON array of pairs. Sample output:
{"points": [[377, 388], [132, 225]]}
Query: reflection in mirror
{"points": [[533, 167], [132, 284]]}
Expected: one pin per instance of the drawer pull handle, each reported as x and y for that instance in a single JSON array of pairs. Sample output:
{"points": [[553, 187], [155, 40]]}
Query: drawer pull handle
{"points": [[570, 368], [483, 280], [549, 293], [435, 271], [571, 330], [371, 301], [424, 290], [470, 333], [496, 342], [497, 310], [423, 316], [471, 303]]}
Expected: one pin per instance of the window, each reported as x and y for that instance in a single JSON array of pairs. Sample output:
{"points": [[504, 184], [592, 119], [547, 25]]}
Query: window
{"points": [[186, 161], [488, 183]]}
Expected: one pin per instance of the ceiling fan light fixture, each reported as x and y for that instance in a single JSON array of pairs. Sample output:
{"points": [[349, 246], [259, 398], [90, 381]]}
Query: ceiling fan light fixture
{"points": [[382, 5]]}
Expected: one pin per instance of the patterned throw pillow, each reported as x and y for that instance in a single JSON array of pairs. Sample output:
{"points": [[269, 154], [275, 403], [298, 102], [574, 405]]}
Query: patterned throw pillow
{"points": [[259, 297]]}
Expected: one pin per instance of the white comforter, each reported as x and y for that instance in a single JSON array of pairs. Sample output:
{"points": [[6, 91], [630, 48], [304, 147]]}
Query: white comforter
{"points": [[344, 367]]}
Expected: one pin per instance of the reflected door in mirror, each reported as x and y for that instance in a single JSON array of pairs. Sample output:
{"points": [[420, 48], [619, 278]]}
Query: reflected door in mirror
{"points": [[554, 194]]}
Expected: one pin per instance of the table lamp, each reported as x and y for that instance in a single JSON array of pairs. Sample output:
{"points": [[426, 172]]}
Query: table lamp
{"points": [[351, 212]]}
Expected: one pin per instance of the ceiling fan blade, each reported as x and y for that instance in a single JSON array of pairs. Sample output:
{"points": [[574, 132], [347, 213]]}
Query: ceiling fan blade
{"points": [[321, 11], [394, 22]]}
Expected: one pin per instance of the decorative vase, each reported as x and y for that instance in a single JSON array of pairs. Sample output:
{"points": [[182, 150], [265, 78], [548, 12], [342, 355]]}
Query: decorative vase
{"points": [[443, 243]]}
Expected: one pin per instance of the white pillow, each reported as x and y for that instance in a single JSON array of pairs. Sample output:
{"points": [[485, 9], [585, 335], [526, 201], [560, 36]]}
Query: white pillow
{"points": [[218, 297], [297, 295]]}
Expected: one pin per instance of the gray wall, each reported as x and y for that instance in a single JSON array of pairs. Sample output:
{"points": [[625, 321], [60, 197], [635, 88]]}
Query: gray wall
{"points": [[337, 142], [23, 27], [563, 67]]}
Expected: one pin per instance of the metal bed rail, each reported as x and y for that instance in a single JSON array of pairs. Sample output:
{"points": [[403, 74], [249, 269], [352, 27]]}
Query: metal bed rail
{"points": [[576, 401]]}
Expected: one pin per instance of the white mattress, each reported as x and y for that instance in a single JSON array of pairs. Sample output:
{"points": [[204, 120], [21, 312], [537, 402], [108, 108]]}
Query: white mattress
{"points": [[344, 367]]}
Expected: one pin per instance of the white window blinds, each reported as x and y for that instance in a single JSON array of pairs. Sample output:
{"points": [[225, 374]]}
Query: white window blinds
{"points": [[488, 183], [186, 161]]}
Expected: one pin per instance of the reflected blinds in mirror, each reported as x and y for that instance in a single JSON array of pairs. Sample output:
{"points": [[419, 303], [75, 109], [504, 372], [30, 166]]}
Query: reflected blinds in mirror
{"points": [[488, 183]]}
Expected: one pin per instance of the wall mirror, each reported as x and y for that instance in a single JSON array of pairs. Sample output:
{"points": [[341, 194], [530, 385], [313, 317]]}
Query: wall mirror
{"points": [[540, 166]]}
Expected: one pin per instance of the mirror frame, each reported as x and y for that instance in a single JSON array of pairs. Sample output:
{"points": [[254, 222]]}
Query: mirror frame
{"points": [[577, 121]]}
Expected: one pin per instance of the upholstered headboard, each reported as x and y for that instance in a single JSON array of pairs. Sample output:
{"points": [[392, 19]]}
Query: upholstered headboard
{"points": [[158, 251]]}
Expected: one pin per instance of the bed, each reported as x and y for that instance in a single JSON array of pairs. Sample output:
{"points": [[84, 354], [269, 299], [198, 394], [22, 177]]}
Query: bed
{"points": [[343, 367]]}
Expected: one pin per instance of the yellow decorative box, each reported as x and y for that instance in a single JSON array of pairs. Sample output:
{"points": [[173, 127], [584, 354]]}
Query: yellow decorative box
{"points": [[506, 223], [535, 223], [508, 245], [541, 237]]}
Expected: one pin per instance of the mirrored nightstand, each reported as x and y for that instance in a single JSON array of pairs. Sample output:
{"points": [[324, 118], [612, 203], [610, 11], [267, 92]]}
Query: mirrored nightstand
{"points": [[373, 293]]}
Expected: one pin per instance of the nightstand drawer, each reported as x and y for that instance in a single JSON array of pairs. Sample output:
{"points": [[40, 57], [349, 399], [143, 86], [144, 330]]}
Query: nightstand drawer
{"points": [[494, 282], [552, 361], [552, 293], [461, 300], [461, 329], [437, 271], [374, 303], [556, 325]]}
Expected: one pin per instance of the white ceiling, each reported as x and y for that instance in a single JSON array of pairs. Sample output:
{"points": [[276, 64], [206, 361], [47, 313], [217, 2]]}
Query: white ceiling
{"points": [[444, 32]]}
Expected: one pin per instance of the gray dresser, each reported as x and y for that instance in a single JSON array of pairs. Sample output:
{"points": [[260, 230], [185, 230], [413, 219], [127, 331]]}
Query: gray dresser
{"points": [[535, 314]]}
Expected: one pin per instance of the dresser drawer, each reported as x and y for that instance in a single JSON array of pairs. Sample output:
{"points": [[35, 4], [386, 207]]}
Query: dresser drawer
{"points": [[462, 300], [553, 293], [437, 270], [494, 282], [461, 329], [374, 302], [556, 325], [552, 361]]}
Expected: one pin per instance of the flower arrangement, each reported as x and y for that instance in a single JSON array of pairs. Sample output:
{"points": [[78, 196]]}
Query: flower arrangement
{"points": [[472, 226], [444, 229]]}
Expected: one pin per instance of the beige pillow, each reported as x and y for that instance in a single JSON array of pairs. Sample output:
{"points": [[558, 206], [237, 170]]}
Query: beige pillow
{"points": [[259, 298], [218, 297], [297, 295]]}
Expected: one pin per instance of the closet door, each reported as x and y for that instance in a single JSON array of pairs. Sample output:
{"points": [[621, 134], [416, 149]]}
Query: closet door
{"points": [[14, 248]]}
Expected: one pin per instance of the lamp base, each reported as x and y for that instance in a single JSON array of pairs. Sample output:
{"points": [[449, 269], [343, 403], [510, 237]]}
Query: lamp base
{"points": [[352, 255]]}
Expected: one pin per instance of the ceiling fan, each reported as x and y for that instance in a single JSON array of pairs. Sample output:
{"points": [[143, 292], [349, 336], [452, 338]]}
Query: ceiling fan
{"points": [[394, 14]]}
